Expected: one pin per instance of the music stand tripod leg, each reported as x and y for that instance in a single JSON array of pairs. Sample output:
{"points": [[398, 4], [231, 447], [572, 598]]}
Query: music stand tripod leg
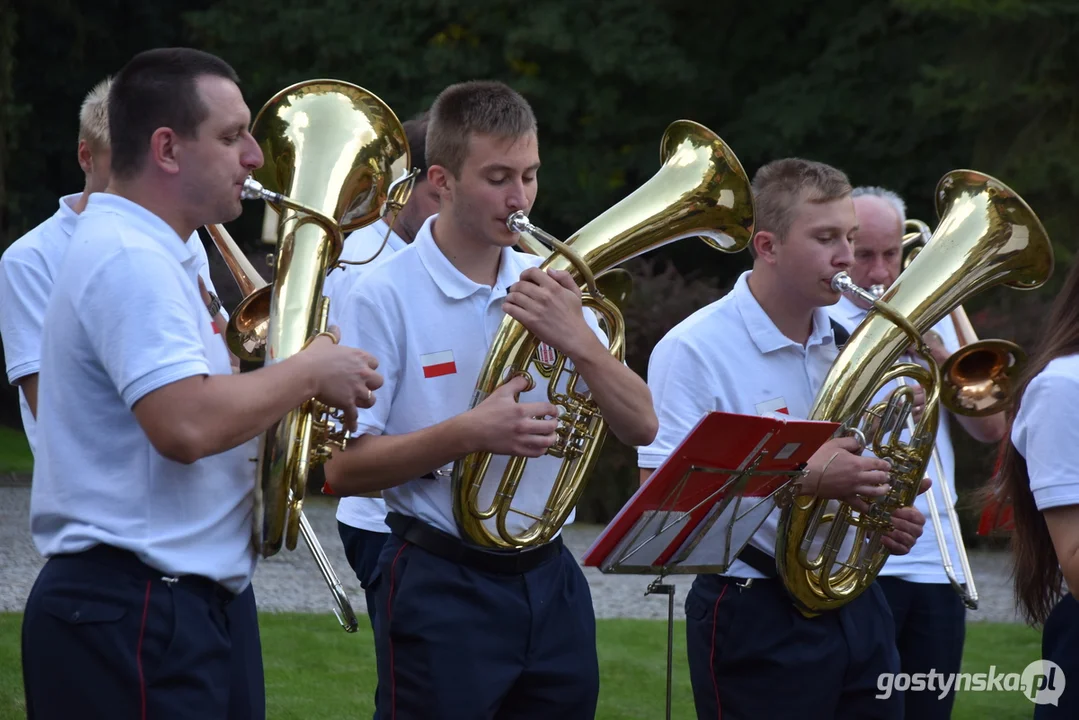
{"points": [[656, 588]]}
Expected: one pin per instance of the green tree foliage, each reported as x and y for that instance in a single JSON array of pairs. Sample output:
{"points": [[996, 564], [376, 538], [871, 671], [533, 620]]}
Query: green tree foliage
{"points": [[895, 93]]}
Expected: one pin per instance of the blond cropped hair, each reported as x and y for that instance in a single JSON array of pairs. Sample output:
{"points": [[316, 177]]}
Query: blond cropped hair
{"points": [[781, 185], [94, 116]]}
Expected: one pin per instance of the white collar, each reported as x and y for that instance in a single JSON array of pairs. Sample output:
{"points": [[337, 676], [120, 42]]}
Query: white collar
{"points": [[451, 281]]}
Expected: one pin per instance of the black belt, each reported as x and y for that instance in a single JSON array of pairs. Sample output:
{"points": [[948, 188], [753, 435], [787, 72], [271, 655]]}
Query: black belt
{"points": [[759, 560], [128, 562], [447, 547]]}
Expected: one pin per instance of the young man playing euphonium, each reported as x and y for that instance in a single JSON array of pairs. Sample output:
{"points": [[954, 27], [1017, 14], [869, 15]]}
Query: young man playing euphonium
{"points": [[766, 348], [463, 632]]}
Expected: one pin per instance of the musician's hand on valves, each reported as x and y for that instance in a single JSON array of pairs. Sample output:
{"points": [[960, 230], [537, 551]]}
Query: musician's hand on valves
{"points": [[837, 471], [345, 377], [503, 426], [549, 305], [907, 523]]}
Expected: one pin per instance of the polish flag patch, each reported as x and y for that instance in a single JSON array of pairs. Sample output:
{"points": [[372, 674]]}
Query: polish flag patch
{"points": [[777, 405], [438, 364]]}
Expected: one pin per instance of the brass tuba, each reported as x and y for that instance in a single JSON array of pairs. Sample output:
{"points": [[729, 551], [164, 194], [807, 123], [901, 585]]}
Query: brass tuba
{"points": [[699, 190], [987, 236], [249, 281], [331, 151]]}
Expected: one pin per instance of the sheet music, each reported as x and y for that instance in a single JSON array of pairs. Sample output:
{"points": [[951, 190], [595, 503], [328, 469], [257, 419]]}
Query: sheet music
{"points": [[708, 500]]}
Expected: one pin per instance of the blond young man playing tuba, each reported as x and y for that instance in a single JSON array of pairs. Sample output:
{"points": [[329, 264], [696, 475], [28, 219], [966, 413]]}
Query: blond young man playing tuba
{"points": [[765, 348]]}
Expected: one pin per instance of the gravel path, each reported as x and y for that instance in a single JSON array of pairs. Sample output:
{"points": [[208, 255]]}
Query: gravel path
{"points": [[290, 581]]}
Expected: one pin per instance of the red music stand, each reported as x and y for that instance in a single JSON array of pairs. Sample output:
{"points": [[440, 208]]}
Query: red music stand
{"points": [[703, 504]]}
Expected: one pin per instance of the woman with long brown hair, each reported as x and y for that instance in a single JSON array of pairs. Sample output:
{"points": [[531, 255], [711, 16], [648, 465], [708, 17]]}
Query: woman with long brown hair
{"points": [[1039, 475]]}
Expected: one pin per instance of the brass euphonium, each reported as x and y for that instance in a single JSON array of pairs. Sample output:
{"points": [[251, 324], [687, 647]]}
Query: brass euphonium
{"points": [[249, 281], [827, 552], [331, 152], [699, 190]]}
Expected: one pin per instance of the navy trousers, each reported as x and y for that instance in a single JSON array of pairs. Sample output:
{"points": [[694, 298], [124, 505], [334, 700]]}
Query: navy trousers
{"points": [[247, 693], [106, 636], [457, 642], [930, 627], [362, 549], [1060, 644], [752, 655]]}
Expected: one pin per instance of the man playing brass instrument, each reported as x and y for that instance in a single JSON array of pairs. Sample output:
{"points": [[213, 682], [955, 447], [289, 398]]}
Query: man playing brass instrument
{"points": [[765, 348], [464, 632], [142, 489], [930, 617], [27, 269]]}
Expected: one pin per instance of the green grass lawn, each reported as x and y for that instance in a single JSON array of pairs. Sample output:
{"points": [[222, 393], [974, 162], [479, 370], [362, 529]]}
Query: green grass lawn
{"points": [[315, 670], [15, 454]]}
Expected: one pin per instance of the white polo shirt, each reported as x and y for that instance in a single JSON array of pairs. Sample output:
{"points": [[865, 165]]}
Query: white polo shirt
{"points": [[126, 318], [1046, 435], [366, 513], [730, 357], [923, 564], [27, 269], [430, 328]]}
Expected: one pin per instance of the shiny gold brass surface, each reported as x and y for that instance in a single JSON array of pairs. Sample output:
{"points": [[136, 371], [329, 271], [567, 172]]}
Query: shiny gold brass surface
{"points": [[979, 379], [332, 150], [827, 552], [250, 320], [254, 287], [700, 190]]}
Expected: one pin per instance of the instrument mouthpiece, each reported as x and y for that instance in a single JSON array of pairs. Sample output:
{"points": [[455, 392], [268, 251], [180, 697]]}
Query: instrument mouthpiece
{"points": [[877, 290], [842, 283], [253, 190], [518, 222]]}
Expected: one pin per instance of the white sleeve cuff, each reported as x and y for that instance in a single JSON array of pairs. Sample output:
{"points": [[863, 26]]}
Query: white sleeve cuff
{"points": [[160, 377], [21, 370]]}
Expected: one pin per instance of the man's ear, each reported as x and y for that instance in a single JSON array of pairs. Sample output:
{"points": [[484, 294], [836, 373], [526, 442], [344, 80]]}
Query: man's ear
{"points": [[441, 180], [165, 150], [765, 244], [86, 158]]}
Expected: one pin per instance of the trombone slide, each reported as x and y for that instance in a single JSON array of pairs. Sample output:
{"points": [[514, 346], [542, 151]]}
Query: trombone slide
{"points": [[967, 590]]}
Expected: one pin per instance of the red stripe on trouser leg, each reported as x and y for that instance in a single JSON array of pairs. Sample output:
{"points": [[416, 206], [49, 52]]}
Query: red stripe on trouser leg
{"points": [[389, 637], [138, 651], [712, 659]]}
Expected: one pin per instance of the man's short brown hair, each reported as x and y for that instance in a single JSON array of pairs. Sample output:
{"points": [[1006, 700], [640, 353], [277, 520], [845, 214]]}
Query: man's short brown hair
{"points": [[484, 107], [780, 185]]}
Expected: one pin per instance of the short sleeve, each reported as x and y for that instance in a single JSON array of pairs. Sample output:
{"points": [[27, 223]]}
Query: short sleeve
{"points": [[366, 324], [139, 317], [1046, 435], [24, 298], [675, 373]]}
